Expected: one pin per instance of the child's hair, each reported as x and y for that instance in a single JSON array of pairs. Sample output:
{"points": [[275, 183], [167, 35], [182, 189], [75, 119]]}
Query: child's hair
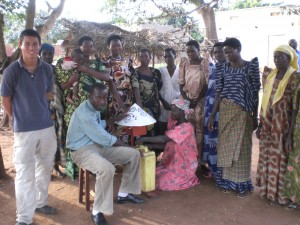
{"points": [[76, 51], [83, 39]]}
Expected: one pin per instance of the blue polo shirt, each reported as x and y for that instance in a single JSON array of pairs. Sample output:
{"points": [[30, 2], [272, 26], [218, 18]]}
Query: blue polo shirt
{"points": [[28, 92]]}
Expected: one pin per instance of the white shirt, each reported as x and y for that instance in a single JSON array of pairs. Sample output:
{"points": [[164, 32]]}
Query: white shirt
{"points": [[169, 91]]}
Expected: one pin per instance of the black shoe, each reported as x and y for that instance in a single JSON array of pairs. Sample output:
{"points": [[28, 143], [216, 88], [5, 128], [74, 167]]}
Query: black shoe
{"points": [[48, 210], [130, 198], [99, 219], [21, 223]]}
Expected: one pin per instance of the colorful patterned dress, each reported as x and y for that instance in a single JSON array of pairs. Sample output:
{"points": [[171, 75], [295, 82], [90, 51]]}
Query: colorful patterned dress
{"points": [[292, 176], [149, 91], [177, 169], [84, 82], [121, 75], [210, 137], [272, 163]]}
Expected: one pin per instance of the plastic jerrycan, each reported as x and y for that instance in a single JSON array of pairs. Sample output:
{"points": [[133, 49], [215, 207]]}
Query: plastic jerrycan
{"points": [[148, 164]]}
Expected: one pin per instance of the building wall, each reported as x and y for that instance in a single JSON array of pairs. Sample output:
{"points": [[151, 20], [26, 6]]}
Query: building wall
{"points": [[260, 30]]}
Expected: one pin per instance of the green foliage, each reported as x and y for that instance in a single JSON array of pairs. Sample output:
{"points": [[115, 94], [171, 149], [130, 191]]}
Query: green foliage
{"points": [[242, 4], [13, 26], [12, 6]]}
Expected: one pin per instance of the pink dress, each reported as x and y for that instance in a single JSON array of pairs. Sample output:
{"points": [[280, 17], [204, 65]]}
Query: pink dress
{"points": [[177, 169]]}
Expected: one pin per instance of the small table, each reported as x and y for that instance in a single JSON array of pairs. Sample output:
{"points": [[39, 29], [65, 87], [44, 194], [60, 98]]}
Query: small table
{"points": [[136, 131]]}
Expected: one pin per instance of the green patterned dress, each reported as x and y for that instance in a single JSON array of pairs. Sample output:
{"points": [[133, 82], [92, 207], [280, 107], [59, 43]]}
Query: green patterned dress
{"points": [[149, 87], [84, 82], [292, 177]]}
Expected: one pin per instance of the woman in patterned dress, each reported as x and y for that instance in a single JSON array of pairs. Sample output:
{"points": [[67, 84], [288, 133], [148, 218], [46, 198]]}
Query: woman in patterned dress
{"points": [[193, 78], [211, 137], [275, 117], [120, 72], [292, 177], [148, 80], [179, 163], [238, 83]]}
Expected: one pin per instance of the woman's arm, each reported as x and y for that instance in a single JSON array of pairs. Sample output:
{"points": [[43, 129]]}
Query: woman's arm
{"points": [[214, 111], [114, 91], [160, 139], [94, 73], [289, 141], [73, 78]]}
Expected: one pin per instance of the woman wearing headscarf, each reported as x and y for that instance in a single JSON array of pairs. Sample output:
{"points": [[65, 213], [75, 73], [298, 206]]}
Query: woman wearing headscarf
{"points": [[177, 169], [238, 83], [46, 53], [279, 87]]}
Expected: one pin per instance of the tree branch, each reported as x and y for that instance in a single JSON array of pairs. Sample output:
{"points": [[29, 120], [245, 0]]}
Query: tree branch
{"points": [[49, 23]]}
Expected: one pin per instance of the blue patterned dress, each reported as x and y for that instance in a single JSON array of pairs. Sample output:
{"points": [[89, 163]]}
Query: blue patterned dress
{"points": [[210, 138], [239, 89]]}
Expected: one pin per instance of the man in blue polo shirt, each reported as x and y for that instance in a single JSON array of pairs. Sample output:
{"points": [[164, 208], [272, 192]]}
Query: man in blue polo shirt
{"points": [[26, 89]]}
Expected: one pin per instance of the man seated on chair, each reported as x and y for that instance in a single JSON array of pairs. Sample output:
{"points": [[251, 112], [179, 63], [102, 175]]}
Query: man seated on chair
{"points": [[94, 149]]}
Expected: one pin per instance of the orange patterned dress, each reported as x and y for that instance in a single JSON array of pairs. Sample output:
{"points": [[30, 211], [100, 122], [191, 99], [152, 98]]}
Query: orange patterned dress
{"points": [[272, 164]]}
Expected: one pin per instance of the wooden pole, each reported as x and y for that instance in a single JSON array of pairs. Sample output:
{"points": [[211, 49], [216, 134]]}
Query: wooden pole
{"points": [[2, 170]]}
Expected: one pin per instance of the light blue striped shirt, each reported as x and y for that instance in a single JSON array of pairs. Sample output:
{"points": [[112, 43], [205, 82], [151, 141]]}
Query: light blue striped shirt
{"points": [[86, 128]]}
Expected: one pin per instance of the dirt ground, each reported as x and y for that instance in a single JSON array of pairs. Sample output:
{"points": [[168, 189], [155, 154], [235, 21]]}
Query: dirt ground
{"points": [[202, 204]]}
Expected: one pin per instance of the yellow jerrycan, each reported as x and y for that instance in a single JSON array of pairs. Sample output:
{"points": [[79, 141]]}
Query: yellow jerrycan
{"points": [[148, 164]]}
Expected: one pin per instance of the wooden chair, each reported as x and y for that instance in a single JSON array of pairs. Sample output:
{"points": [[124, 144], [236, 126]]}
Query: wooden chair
{"points": [[84, 188]]}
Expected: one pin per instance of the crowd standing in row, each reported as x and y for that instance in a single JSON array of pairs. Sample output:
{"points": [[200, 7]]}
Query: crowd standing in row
{"points": [[206, 110]]}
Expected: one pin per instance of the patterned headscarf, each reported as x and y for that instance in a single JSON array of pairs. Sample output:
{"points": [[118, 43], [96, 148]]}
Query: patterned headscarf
{"points": [[183, 105]]}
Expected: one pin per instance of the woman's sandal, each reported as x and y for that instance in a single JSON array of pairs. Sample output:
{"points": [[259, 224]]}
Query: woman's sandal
{"points": [[225, 190], [291, 206], [244, 194], [275, 204]]}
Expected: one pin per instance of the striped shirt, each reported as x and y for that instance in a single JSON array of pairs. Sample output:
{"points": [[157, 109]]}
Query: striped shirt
{"points": [[239, 84]]}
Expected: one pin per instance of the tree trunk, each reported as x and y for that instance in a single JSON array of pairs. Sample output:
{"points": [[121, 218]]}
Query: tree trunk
{"points": [[209, 20], [49, 23], [2, 43], [30, 14]]}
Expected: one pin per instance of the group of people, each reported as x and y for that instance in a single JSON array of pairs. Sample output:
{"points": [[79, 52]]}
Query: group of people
{"points": [[206, 110]]}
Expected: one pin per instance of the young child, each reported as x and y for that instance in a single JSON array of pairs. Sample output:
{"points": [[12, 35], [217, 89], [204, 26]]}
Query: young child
{"points": [[65, 69]]}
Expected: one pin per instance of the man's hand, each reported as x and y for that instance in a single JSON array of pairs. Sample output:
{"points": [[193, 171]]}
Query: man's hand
{"points": [[119, 143]]}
